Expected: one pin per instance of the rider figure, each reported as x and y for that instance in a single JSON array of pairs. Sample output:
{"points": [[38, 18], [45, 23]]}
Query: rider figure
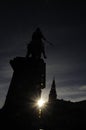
{"points": [[36, 46]]}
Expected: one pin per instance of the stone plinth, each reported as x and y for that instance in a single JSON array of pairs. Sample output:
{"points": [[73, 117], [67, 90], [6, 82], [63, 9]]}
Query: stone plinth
{"points": [[27, 81]]}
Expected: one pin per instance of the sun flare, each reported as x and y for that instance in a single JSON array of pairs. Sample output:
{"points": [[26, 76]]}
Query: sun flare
{"points": [[40, 103]]}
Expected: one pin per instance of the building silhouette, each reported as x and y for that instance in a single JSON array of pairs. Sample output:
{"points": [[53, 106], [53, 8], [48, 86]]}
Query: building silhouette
{"points": [[53, 94]]}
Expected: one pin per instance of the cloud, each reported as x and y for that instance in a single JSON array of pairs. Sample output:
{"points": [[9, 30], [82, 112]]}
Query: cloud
{"points": [[82, 88]]}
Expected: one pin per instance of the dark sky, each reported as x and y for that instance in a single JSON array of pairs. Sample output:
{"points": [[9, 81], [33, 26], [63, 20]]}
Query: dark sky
{"points": [[62, 23]]}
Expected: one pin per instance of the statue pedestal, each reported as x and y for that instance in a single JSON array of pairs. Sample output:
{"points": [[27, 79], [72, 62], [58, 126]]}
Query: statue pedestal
{"points": [[26, 84]]}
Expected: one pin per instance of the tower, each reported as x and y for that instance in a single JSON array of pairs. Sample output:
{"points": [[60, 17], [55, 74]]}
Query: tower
{"points": [[52, 94]]}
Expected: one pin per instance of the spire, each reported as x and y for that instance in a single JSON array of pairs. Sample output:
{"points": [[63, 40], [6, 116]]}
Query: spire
{"points": [[52, 94]]}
